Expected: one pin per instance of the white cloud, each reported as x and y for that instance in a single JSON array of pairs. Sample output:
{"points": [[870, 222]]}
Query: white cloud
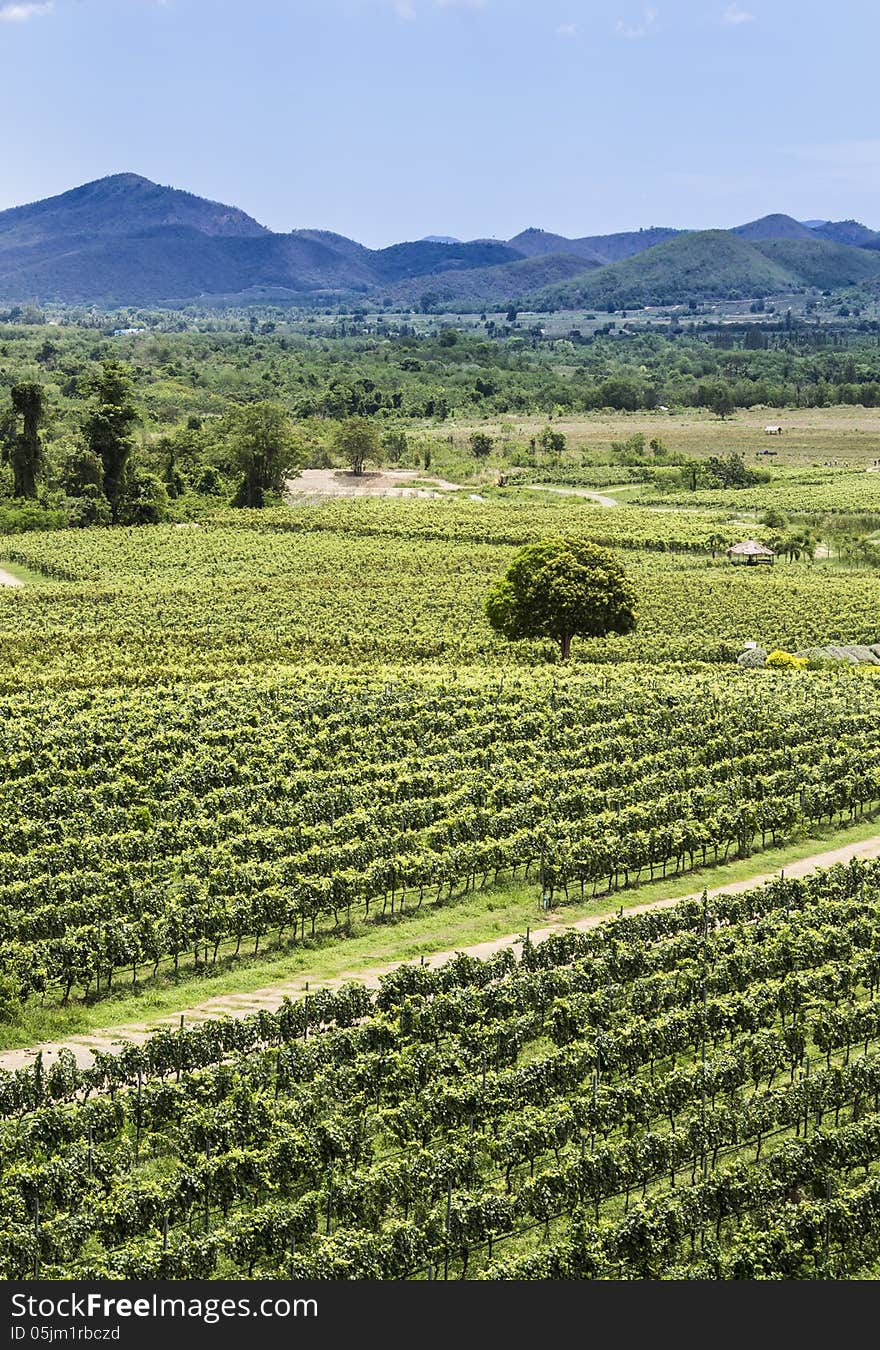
{"points": [[20, 13], [735, 15], [410, 9], [641, 29], [567, 30]]}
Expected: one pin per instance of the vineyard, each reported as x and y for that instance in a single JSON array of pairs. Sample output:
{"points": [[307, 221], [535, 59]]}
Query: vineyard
{"points": [[685, 1094], [272, 730], [161, 604], [156, 826]]}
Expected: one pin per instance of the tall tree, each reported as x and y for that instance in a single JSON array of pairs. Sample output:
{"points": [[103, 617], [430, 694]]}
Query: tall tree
{"points": [[265, 449], [357, 440], [562, 588], [25, 445], [107, 427]]}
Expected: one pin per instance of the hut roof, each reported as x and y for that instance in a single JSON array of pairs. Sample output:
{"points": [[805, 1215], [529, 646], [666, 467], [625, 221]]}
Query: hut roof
{"points": [[750, 548]]}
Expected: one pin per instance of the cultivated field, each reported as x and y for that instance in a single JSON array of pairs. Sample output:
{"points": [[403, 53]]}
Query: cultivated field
{"points": [[285, 743]]}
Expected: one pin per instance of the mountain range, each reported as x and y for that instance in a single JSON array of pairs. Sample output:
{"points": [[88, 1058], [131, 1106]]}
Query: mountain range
{"points": [[124, 240]]}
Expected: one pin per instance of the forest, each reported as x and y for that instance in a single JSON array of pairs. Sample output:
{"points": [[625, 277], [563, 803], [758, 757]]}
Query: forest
{"points": [[179, 394]]}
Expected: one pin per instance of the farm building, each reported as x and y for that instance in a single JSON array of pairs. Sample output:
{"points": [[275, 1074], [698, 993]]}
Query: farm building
{"points": [[751, 552]]}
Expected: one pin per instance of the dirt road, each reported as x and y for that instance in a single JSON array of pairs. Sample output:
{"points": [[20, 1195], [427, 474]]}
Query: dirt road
{"points": [[598, 497], [271, 997], [7, 579]]}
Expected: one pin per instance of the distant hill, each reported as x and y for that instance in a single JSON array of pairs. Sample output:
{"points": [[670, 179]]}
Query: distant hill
{"points": [[712, 264], [700, 266], [119, 205], [848, 232], [773, 227], [124, 240], [488, 287], [534, 243], [613, 247], [816, 262], [597, 248]]}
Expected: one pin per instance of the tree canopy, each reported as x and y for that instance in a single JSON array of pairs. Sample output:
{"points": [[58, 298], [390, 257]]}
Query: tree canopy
{"points": [[25, 446], [108, 425], [357, 440], [265, 448], [562, 588]]}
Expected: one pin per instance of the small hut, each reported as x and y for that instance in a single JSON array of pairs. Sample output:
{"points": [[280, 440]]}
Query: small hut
{"points": [[751, 552]]}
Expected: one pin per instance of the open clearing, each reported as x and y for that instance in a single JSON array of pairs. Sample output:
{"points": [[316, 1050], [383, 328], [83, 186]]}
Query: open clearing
{"points": [[390, 483], [845, 435]]}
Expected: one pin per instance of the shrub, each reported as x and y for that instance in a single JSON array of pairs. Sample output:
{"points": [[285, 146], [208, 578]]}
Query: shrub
{"points": [[780, 660]]}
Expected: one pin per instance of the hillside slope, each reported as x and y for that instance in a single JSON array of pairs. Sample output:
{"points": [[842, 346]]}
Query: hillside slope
{"points": [[125, 240], [703, 265], [816, 262], [489, 287]]}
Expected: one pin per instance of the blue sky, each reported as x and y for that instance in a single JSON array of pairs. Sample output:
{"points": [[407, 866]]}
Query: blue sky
{"points": [[391, 119]]}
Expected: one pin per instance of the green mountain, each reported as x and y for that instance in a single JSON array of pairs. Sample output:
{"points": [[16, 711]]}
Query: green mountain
{"points": [[774, 227], [698, 266], [848, 232], [595, 248], [711, 265], [816, 262], [485, 288], [125, 240]]}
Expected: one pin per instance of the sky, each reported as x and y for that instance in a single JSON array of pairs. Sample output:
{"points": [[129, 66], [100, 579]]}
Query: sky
{"points": [[392, 119]]}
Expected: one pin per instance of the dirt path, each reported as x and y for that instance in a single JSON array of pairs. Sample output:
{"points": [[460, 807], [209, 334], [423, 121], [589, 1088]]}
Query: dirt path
{"points": [[598, 497], [341, 483], [7, 579], [270, 998]]}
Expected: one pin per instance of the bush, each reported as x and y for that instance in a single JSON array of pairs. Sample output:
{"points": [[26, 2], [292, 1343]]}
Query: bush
{"points": [[10, 1007], [17, 518], [209, 482], [91, 507], [780, 660], [145, 501]]}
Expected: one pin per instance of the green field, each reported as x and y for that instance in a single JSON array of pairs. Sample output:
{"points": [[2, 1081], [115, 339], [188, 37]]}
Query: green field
{"points": [[680, 1095], [241, 747]]}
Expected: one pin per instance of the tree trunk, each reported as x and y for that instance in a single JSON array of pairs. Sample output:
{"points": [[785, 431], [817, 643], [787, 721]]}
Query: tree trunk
{"points": [[565, 645]]}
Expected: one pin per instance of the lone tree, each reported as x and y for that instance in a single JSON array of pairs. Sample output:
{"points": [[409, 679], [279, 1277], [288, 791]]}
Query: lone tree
{"points": [[481, 444], [562, 588], [107, 428], [265, 449], [357, 440], [24, 448]]}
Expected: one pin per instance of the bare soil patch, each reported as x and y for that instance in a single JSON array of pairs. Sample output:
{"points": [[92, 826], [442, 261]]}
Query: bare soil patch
{"points": [[390, 483]]}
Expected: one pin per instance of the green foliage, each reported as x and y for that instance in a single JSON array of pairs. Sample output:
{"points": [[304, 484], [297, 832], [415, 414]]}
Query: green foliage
{"points": [[264, 448], [145, 499], [552, 441], [780, 660], [562, 588], [356, 441], [481, 444], [711, 264], [81, 469], [107, 427], [89, 507], [24, 446]]}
